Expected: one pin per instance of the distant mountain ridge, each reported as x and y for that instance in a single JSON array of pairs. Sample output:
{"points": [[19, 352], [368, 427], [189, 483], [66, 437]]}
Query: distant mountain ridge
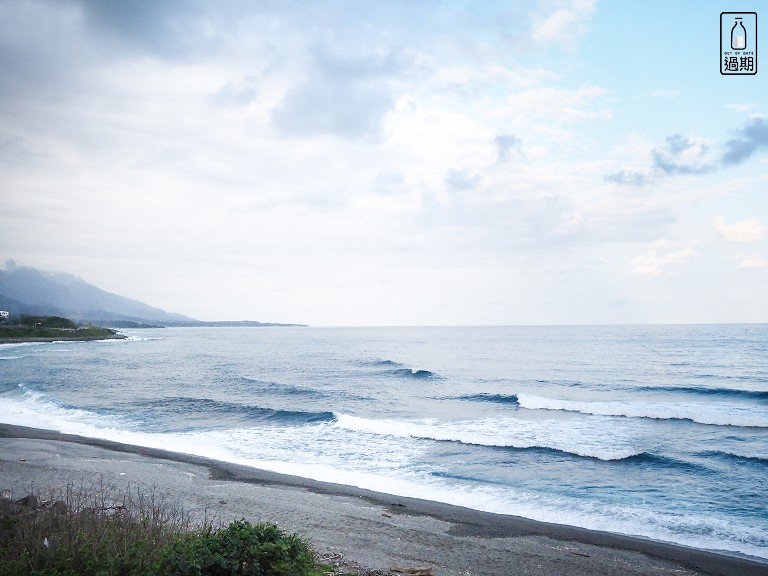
{"points": [[25, 290]]}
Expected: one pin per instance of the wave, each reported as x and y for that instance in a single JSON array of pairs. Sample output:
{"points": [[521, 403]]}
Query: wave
{"points": [[412, 373], [32, 396], [195, 408], [379, 363], [396, 369], [27, 407], [485, 397], [590, 442], [735, 458], [709, 414], [152, 415], [660, 463], [278, 389], [21, 344], [704, 391]]}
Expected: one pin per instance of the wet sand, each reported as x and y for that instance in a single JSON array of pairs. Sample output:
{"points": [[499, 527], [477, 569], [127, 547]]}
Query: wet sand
{"points": [[372, 529]]}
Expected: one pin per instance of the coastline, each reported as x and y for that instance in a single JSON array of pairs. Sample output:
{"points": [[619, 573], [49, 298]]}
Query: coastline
{"points": [[82, 334], [44, 340], [367, 528]]}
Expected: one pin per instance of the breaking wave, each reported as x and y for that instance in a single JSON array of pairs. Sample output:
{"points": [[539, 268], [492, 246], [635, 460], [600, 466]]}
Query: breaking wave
{"points": [[701, 413], [396, 369], [587, 442], [708, 392]]}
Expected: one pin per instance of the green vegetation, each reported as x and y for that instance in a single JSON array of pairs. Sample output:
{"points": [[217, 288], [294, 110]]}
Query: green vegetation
{"points": [[47, 322], [103, 532], [52, 328], [240, 548]]}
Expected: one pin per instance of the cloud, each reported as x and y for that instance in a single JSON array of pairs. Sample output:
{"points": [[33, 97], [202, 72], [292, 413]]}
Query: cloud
{"points": [[461, 180], [681, 155], [753, 262], [561, 104], [167, 29], [571, 223], [742, 231], [750, 138], [266, 142], [663, 94], [41, 44], [630, 177], [678, 156], [507, 145], [741, 107], [235, 93], [658, 260], [342, 95], [565, 24]]}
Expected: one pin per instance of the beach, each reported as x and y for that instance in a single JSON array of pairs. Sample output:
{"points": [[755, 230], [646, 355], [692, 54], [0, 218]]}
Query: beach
{"points": [[368, 529]]}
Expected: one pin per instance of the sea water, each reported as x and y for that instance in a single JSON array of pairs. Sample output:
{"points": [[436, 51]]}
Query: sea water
{"points": [[655, 431]]}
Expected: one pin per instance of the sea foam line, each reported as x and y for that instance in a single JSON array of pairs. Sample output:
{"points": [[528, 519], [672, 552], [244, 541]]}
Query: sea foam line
{"points": [[704, 532], [710, 414], [579, 439]]}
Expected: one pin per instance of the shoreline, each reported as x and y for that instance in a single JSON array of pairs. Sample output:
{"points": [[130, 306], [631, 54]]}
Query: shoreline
{"points": [[63, 338], [368, 528]]}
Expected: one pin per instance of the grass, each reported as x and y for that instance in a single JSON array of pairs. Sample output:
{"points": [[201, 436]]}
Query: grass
{"points": [[52, 328], [89, 332], [46, 321], [101, 531]]}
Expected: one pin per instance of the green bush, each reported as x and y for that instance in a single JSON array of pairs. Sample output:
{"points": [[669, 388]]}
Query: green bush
{"points": [[239, 549], [100, 531]]}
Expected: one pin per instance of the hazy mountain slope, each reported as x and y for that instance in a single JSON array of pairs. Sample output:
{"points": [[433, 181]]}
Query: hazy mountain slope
{"points": [[17, 307], [28, 290]]}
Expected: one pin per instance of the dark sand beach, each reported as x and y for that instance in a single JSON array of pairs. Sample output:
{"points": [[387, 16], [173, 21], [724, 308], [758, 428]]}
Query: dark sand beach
{"points": [[370, 529]]}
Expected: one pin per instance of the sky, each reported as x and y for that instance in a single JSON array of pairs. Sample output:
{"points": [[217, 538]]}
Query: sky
{"points": [[353, 162]]}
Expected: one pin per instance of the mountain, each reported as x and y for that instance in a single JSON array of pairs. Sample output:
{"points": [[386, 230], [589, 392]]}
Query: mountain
{"points": [[25, 290]]}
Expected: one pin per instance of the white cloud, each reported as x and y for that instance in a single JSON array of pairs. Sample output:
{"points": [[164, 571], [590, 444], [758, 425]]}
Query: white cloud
{"points": [[664, 94], [461, 180], [682, 155], [275, 153], [742, 231], [571, 223], [753, 262], [741, 107], [560, 104], [568, 21], [659, 259]]}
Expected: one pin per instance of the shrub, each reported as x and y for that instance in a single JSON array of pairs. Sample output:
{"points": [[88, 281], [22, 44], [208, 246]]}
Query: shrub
{"points": [[103, 532], [238, 549]]}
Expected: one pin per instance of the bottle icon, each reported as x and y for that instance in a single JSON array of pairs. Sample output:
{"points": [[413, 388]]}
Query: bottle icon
{"points": [[738, 35]]}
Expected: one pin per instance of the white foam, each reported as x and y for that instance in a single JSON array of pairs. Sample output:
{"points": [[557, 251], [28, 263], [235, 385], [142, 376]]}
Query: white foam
{"points": [[37, 410], [580, 437], [372, 454], [391, 466], [717, 414], [21, 344]]}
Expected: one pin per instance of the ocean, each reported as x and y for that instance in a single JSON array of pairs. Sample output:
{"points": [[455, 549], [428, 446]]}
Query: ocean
{"points": [[654, 431]]}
